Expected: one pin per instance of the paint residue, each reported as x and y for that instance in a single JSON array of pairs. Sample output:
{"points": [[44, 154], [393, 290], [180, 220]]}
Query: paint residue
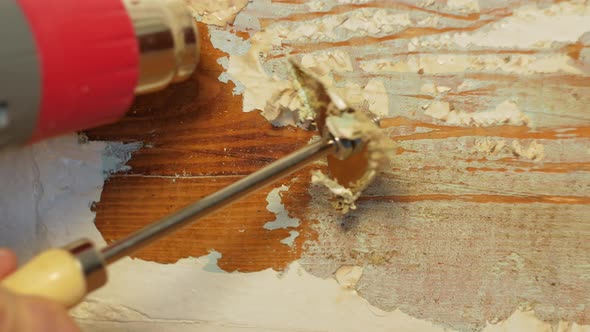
{"points": [[531, 26], [376, 95], [506, 112], [269, 89], [323, 5], [428, 89], [216, 12], [511, 263], [324, 63], [488, 63], [261, 76], [290, 241], [277, 98], [472, 68], [345, 124], [422, 250], [212, 262], [348, 276], [438, 109], [464, 6], [353, 169], [501, 148], [584, 55], [344, 197], [116, 155], [228, 42], [361, 22], [282, 219]]}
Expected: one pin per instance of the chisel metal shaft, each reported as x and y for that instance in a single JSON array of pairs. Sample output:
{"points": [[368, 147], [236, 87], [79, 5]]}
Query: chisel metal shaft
{"points": [[239, 189]]}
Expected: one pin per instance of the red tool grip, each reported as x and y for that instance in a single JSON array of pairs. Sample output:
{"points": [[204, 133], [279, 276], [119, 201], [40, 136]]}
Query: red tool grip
{"points": [[89, 62]]}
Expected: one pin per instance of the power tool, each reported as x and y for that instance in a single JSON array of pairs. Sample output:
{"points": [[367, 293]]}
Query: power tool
{"points": [[68, 65]]}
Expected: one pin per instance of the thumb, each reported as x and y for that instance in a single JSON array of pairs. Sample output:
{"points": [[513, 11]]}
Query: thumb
{"points": [[7, 262]]}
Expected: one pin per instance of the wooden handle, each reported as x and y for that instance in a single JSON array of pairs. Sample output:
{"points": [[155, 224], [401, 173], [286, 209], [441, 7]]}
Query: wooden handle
{"points": [[63, 275], [55, 274]]}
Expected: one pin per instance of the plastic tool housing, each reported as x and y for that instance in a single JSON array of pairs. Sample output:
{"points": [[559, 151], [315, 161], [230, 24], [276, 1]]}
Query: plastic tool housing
{"points": [[68, 65]]}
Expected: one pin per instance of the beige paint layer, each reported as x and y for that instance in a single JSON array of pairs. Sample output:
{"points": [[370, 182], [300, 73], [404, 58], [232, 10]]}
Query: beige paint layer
{"points": [[216, 12], [530, 38], [487, 100]]}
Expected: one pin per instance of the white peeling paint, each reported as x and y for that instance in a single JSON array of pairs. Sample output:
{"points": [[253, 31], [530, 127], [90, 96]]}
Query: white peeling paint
{"points": [[213, 257], [116, 155], [522, 64], [369, 22], [348, 276], [470, 6], [265, 86], [442, 89], [428, 89], [498, 68], [505, 113], [534, 151], [502, 148], [49, 180], [375, 93], [278, 98], [216, 12], [355, 23], [247, 71], [228, 42], [345, 195], [531, 27], [282, 219], [290, 241], [275, 95], [324, 63], [275, 206], [438, 110], [318, 5]]}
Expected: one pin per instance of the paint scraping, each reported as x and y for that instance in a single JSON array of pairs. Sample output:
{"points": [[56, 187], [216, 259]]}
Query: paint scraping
{"points": [[347, 178]]}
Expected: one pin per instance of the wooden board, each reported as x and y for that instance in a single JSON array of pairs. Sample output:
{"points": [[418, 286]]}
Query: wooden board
{"points": [[478, 213], [198, 141]]}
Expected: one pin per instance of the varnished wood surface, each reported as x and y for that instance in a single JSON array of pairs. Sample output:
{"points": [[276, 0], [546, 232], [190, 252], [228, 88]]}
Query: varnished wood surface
{"points": [[198, 141], [465, 224]]}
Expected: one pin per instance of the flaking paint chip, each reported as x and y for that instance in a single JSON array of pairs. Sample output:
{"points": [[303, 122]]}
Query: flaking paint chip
{"points": [[350, 176], [348, 276]]}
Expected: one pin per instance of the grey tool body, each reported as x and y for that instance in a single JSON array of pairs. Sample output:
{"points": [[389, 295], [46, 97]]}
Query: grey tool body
{"points": [[20, 76]]}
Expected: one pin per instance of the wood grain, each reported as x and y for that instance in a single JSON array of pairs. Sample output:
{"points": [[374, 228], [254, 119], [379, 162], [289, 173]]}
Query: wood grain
{"points": [[468, 222], [130, 202], [198, 141]]}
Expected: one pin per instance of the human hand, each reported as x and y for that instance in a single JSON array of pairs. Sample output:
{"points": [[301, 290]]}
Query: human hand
{"points": [[29, 313]]}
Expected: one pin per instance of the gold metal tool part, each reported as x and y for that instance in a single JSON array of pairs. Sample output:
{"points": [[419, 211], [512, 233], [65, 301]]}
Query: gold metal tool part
{"points": [[168, 42]]}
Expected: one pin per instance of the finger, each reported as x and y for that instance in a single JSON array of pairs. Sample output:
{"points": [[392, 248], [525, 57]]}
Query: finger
{"points": [[8, 262], [7, 310], [41, 315]]}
